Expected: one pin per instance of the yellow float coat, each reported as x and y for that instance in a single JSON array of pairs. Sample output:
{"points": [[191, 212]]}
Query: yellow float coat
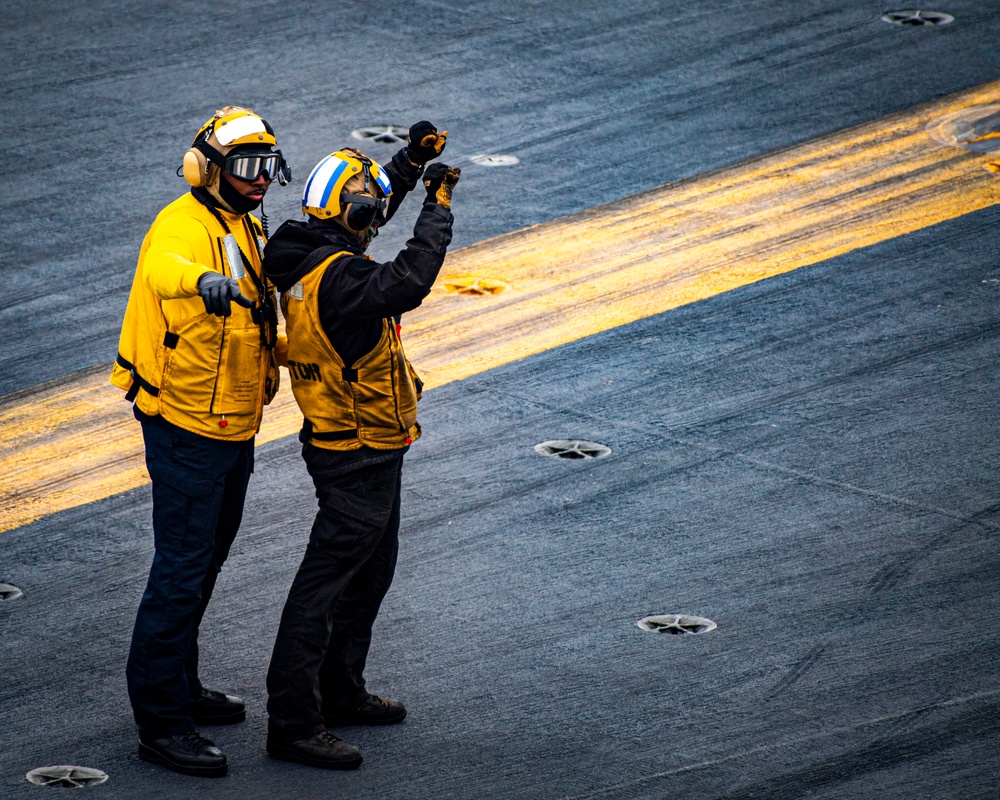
{"points": [[206, 374]]}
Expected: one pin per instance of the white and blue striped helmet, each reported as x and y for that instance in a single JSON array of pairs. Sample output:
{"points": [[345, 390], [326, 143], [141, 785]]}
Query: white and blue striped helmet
{"points": [[327, 194]]}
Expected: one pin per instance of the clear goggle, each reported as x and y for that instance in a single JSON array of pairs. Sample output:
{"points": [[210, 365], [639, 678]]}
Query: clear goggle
{"points": [[250, 166]]}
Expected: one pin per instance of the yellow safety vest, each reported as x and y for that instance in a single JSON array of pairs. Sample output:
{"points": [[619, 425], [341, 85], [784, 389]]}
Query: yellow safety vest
{"points": [[373, 402], [206, 374]]}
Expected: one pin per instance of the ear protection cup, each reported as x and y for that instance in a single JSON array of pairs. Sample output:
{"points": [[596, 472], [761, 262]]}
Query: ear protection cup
{"points": [[195, 167]]}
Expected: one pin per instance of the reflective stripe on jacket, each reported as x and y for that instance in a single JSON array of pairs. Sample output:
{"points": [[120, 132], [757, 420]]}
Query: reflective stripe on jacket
{"points": [[206, 374], [372, 403]]}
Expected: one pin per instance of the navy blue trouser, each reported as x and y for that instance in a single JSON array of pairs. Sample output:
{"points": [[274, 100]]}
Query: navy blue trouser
{"points": [[326, 625], [199, 486]]}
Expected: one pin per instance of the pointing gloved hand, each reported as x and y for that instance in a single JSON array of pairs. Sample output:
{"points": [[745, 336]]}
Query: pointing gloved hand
{"points": [[425, 142], [217, 291], [440, 179]]}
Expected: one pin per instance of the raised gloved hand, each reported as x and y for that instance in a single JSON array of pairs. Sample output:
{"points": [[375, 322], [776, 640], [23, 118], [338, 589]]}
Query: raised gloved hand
{"points": [[440, 180], [217, 291], [425, 142]]}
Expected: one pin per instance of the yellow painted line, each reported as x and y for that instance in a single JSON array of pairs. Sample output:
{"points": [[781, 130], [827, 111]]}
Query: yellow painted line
{"points": [[74, 441]]}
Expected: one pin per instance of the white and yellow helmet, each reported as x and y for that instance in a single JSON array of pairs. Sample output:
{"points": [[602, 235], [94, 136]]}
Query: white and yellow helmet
{"points": [[350, 187], [234, 128]]}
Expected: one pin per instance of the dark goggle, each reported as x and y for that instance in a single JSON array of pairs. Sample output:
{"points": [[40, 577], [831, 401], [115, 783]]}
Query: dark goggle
{"points": [[364, 210], [250, 166]]}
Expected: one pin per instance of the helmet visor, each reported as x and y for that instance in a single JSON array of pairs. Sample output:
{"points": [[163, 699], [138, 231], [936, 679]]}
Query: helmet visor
{"points": [[249, 166]]}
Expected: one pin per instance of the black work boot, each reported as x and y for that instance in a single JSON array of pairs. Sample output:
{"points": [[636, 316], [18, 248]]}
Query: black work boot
{"points": [[216, 708], [189, 753], [373, 710], [322, 749]]}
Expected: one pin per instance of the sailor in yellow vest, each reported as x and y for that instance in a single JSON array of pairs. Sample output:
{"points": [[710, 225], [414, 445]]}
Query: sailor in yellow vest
{"points": [[358, 396], [197, 357]]}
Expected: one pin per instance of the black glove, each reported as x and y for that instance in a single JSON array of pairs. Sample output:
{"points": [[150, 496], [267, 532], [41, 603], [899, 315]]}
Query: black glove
{"points": [[425, 142], [217, 291], [440, 179]]}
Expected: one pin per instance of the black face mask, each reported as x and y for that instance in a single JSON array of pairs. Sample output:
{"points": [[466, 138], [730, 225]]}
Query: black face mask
{"points": [[233, 199]]}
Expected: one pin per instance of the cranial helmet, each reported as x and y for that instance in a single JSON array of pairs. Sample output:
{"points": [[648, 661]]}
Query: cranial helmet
{"points": [[350, 188], [236, 141]]}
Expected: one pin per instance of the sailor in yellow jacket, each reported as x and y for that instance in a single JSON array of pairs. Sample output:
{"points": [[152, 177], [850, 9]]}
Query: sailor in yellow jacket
{"points": [[198, 356]]}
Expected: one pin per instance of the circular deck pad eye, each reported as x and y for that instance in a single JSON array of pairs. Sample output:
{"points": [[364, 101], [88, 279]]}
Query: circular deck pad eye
{"points": [[572, 449], [66, 777], [676, 624]]}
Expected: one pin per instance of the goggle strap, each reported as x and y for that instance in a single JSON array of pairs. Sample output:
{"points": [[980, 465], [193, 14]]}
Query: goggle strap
{"points": [[210, 153], [365, 200]]}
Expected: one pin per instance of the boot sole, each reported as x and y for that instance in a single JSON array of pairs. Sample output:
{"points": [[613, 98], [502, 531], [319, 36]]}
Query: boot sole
{"points": [[228, 719], [321, 763], [152, 756], [345, 722]]}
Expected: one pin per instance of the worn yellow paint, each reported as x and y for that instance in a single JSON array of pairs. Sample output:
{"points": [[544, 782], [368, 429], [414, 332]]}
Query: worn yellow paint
{"points": [[985, 137], [73, 441]]}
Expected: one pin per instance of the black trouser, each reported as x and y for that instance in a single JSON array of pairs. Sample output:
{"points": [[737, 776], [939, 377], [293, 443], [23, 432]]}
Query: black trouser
{"points": [[326, 626], [199, 486]]}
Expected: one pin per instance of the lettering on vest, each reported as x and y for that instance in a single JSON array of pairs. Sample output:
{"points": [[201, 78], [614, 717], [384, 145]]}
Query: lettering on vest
{"points": [[304, 372]]}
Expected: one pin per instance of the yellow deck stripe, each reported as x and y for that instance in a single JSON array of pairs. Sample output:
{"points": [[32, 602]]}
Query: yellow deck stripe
{"points": [[73, 441]]}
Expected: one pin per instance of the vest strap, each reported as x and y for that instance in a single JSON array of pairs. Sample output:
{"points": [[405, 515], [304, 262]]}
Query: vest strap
{"points": [[335, 436], [170, 340], [308, 433], [138, 382]]}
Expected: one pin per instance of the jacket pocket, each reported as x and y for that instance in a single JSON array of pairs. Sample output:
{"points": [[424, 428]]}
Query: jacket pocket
{"points": [[190, 367], [238, 389]]}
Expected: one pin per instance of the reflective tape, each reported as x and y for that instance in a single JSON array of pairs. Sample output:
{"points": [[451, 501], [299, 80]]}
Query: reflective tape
{"points": [[233, 257], [238, 128]]}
